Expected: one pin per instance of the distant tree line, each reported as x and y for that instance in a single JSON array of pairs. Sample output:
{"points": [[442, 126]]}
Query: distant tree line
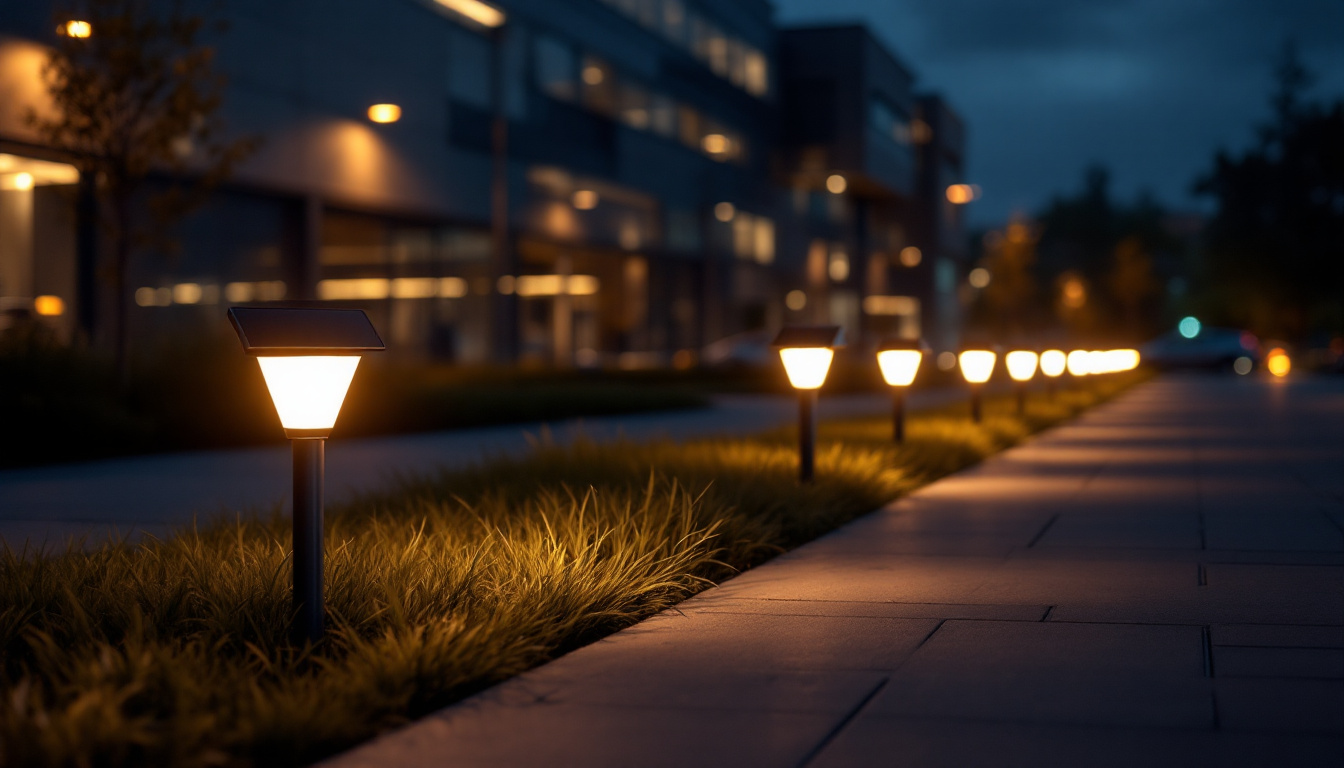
{"points": [[1270, 258]]}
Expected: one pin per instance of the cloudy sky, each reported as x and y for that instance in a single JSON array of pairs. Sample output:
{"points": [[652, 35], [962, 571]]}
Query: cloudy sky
{"points": [[1149, 88]]}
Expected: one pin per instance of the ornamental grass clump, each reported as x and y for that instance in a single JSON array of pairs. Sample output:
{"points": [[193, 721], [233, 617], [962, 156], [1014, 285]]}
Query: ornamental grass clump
{"points": [[176, 652]]}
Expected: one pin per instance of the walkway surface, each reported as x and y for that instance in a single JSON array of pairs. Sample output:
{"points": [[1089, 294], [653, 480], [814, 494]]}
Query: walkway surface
{"points": [[1159, 583], [49, 505]]}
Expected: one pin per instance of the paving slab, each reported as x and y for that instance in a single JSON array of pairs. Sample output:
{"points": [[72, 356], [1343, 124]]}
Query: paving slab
{"points": [[1160, 583]]}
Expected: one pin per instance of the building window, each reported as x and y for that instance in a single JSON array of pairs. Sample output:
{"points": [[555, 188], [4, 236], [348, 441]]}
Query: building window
{"points": [[634, 106], [757, 73], [469, 68], [556, 69], [888, 121], [663, 116], [598, 85]]}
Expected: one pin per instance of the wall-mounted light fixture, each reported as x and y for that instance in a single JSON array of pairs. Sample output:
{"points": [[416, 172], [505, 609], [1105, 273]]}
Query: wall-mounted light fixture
{"points": [[384, 113]]}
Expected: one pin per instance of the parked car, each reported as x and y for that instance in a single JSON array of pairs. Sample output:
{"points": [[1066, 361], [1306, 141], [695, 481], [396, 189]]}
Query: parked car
{"points": [[1209, 348]]}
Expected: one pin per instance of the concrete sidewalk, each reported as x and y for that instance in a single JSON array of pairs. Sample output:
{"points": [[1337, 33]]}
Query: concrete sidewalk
{"points": [[1160, 583], [49, 505]]}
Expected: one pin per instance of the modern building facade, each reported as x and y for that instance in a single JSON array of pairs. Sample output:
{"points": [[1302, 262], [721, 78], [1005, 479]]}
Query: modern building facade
{"points": [[590, 182]]}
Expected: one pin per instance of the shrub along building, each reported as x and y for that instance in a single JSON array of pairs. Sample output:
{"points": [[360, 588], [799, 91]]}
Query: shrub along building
{"points": [[618, 182]]}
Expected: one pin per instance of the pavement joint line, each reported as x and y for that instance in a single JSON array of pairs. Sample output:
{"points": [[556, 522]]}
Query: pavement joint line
{"points": [[929, 636], [1206, 641], [853, 713], [1044, 529], [1046, 615]]}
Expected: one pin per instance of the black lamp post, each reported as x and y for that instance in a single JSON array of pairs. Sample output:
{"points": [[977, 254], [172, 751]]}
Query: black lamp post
{"points": [[807, 351], [308, 358]]}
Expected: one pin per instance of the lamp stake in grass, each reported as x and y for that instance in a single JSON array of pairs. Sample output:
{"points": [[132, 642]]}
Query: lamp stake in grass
{"points": [[308, 358], [807, 351], [1021, 365], [976, 367], [899, 360]]}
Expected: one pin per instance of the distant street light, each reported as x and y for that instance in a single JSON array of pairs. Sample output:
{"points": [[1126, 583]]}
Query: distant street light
{"points": [[807, 351], [899, 360], [384, 113], [977, 365], [308, 358], [1021, 365], [1053, 364], [1189, 327]]}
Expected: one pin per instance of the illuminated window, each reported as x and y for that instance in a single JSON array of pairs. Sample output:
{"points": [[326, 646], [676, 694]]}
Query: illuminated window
{"points": [[634, 106], [764, 247], [744, 235], [599, 88], [757, 73]]}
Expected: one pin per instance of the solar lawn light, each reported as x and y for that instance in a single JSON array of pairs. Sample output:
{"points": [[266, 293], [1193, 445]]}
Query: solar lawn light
{"points": [[308, 358], [1053, 364], [806, 351], [1021, 364], [977, 365], [899, 360], [1079, 363]]}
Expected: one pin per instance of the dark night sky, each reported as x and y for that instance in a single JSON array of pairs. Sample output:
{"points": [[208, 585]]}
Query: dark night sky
{"points": [[1148, 87]]}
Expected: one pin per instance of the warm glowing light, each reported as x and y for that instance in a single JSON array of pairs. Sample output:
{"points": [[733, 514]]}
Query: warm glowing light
{"points": [[838, 266], [584, 199], [795, 300], [187, 293], [49, 306], [977, 365], [1078, 362], [1053, 362], [308, 390], [593, 75], [715, 143], [911, 256], [947, 361], [506, 284], [556, 285], [979, 277], [384, 113], [807, 366], [1021, 364], [485, 15], [960, 194], [725, 212], [1278, 362], [890, 305], [836, 184], [1189, 327], [76, 28], [23, 181], [899, 366], [1074, 293]]}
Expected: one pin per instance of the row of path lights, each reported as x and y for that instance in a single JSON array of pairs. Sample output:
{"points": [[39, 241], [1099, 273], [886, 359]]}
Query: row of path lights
{"points": [[308, 358], [807, 352]]}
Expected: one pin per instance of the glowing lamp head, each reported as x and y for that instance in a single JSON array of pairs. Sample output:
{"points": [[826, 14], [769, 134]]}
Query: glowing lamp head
{"points": [[977, 365], [308, 358], [1021, 364], [384, 113], [899, 360], [1078, 362], [1053, 362], [807, 351]]}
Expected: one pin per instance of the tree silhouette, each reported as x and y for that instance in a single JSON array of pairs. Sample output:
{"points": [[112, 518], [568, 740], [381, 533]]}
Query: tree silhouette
{"points": [[1273, 247], [135, 106]]}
